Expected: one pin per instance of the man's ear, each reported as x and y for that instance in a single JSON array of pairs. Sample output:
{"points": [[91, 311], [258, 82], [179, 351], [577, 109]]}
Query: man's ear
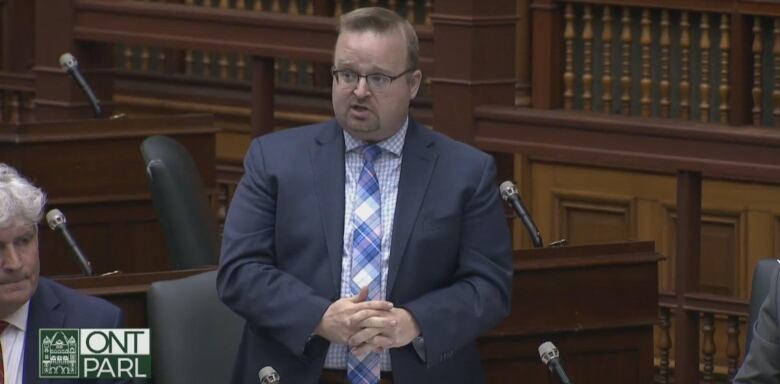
{"points": [[415, 83]]}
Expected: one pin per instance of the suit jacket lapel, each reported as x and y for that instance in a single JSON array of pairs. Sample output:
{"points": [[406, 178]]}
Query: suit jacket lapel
{"points": [[44, 312], [327, 162], [419, 158]]}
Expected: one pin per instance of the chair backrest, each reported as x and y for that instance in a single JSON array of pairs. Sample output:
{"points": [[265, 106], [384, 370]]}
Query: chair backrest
{"points": [[195, 337], [765, 271], [180, 200]]}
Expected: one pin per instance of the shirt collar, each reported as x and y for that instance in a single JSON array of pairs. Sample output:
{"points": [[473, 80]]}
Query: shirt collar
{"points": [[393, 144], [19, 318]]}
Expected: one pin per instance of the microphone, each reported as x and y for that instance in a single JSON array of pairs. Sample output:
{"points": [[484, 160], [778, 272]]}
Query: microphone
{"points": [[512, 197], [549, 355], [268, 375], [70, 65], [57, 222]]}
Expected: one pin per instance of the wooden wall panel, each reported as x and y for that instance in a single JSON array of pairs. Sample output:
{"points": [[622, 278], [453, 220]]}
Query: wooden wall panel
{"points": [[584, 218]]}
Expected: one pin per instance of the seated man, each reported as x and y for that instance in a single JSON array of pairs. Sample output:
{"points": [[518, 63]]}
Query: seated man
{"points": [[762, 362], [29, 302]]}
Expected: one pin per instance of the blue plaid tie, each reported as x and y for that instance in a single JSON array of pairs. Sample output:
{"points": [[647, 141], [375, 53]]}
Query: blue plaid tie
{"points": [[366, 257]]}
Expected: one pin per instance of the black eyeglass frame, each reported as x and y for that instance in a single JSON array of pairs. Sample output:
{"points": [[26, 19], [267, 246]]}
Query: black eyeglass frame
{"points": [[334, 72]]}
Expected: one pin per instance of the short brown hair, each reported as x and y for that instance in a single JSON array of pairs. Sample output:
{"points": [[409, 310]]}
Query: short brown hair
{"points": [[382, 20]]}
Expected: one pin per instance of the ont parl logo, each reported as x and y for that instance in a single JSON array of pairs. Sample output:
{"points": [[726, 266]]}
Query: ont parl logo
{"points": [[100, 353]]}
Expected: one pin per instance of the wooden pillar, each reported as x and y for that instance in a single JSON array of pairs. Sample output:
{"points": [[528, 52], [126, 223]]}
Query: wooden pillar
{"points": [[17, 31], [474, 56], [546, 51], [56, 95], [262, 96], [523, 54], [741, 73], [686, 323]]}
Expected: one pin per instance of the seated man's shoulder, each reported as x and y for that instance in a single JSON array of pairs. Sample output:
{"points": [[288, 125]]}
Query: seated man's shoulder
{"points": [[92, 311]]}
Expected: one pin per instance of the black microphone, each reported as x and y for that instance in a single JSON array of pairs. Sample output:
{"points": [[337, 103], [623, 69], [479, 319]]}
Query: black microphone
{"points": [[70, 65], [57, 222], [549, 355], [268, 375], [512, 197]]}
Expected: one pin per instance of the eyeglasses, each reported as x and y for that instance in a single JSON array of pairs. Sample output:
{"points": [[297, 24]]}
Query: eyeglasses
{"points": [[375, 81]]}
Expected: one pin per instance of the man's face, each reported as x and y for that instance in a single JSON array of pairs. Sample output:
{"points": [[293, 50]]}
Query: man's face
{"points": [[369, 114], [19, 266]]}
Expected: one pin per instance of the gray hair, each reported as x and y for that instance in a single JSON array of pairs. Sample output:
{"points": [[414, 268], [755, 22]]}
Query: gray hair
{"points": [[20, 201], [382, 20]]}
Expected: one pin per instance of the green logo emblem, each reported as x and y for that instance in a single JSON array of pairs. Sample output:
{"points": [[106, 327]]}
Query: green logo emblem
{"points": [[99, 353]]}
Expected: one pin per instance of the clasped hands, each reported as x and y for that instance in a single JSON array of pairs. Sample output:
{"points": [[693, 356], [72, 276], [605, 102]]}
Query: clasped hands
{"points": [[367, 326]]}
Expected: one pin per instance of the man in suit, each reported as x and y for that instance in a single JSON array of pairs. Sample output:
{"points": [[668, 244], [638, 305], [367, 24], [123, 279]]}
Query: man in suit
{"points": [[762, 362], [29, 302], [368, 247]]}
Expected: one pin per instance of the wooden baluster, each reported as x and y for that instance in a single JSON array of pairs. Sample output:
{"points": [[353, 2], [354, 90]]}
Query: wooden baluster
{"points": [[240, 5], [392, 5], [310, 7], [685, 48], [664, 345], [704, 82], [587, 76], [222, 59], [428, 10], [625, 78], [645, 81], [756, 91], [14, 108], [568, 73], [188, 60], [708, 346], [145, 59], [776, 71], [309, 74], [3, 105], [732, 347], [292, 73], [206, 60], [275, 6], [292, 7], [374, 3], [723, 88], [128, 54], [410, 17], [258, 6], [241, 67], [277, 72], [606, 78], [666, 43], [337, 10]]}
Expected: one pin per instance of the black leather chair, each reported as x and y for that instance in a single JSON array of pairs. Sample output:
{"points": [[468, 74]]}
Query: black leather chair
{"points": [[194, 336], [764, 272], [180, 200]]}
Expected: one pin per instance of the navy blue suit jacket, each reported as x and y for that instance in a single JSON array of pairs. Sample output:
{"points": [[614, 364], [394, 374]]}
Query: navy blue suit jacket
{"points": [[56, 306], [450, 256]]}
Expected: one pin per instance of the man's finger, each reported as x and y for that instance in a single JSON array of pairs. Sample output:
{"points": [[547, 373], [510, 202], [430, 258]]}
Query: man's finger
{"points": [[360, 296], [374, 319], [362, 336]]}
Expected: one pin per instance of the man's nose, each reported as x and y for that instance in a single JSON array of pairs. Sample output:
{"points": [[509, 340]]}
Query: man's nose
{"points": [[362, 89], [10, 258]]}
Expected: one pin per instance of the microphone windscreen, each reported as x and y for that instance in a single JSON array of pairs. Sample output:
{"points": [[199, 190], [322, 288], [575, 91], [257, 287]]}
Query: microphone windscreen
{"points": [[268, 375], [547, 352], [507, 189], [55, 218], [68, 61]]}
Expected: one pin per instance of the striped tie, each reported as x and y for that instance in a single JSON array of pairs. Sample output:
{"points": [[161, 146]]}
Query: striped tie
{"points": [[366, 257], [3, 326]]}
